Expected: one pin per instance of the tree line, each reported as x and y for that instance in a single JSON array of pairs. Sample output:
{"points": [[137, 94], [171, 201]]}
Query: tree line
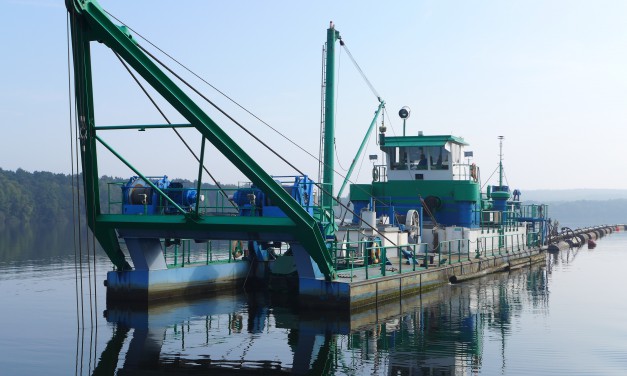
{"points": [[44, 199]]}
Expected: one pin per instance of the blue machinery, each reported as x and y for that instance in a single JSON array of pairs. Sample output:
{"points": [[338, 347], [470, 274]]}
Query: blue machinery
{"points": [[140, 198]]}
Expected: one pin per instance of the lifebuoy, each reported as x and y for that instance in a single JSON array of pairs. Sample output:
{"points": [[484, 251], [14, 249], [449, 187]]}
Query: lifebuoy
{"points": [[375, 253], [237, 248], [473, 172], [375, 174]]}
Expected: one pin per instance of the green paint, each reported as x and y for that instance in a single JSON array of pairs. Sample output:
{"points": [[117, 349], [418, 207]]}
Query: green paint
{"points": [[329, 118], [458, 190], [85, 114], [201, 163], [360, 192], [422, 141], [142, 127], [361, 148]]}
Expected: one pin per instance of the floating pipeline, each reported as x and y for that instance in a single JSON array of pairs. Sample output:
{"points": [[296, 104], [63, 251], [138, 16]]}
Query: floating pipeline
{"points": [[572, 239], [580, 237]]}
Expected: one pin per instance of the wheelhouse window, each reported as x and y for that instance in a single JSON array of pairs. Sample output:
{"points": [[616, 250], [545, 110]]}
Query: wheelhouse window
{"points": [[406, 158], [439, 158], [397, 158], [418, 158]]}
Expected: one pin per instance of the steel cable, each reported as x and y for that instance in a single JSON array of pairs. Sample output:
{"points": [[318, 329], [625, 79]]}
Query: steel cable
{"points": [[245, 129], [78, 226], [363, 75], [337, 98], [239, 105], [69, 83], [258, 139], [175, 130], [79, 240]]}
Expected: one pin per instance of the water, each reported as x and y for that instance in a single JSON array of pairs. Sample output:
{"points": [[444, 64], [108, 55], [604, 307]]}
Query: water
{"points": [[565, 317]]}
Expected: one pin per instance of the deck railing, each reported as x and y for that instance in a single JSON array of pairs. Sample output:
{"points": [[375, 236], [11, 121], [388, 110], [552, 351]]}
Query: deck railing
{"points": [[368, 256], [375, 261], [501, 245], [189, 253]]}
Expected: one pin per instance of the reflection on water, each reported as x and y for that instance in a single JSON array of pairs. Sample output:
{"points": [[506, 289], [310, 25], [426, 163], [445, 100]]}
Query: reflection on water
{"points": [[562, 258], [565, 317], [33, 242], [440, 333]]}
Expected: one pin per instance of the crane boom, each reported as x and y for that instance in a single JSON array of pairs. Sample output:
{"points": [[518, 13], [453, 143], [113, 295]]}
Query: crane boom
{"points": [[89, 22]]}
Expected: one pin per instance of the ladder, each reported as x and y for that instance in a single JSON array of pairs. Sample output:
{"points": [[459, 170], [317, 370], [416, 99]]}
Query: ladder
{"points": [[322, 113]]}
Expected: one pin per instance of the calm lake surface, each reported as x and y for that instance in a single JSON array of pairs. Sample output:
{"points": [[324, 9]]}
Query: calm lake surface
{"points": [[565, 317]]}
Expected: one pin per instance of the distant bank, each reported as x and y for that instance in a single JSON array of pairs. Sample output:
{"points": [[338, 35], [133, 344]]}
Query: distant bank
{"points": [[557, 195], [582, 207], [41, 199]]}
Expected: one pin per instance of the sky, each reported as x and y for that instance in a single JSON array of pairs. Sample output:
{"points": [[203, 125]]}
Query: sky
{"points": [[549, 76]]}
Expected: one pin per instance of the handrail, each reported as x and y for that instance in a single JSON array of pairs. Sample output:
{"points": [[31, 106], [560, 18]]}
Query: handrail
{"points": [[357, 255]]}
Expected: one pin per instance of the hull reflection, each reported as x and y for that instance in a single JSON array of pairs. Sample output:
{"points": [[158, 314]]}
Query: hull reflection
{"points": [[441, 332]]}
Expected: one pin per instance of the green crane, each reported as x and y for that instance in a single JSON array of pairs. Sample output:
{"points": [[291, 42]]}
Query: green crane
{"points": [[90, 23], [329, 118]]}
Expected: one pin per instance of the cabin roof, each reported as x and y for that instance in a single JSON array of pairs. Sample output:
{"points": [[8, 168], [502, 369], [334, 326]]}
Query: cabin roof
{"points": [[435, 140]]}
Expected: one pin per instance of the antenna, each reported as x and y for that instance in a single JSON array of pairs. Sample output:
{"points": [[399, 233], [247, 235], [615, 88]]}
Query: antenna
{"points": [[501, 138]]}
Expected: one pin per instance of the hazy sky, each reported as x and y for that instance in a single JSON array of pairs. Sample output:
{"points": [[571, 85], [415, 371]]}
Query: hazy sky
{"points": [[550, 76]]}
